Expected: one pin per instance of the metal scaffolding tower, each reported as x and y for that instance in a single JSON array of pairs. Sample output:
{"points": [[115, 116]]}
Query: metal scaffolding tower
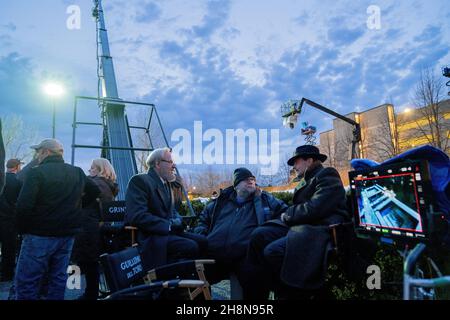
{"points": [[116, 131]]}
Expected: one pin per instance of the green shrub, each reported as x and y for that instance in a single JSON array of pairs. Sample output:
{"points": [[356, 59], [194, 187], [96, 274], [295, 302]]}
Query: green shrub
{"points": [[391, 265], [197, 206], [285, 196]]}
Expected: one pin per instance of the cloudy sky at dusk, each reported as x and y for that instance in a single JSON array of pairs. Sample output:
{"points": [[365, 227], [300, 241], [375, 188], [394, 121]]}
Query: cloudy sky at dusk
{"points": [[230, 64]]}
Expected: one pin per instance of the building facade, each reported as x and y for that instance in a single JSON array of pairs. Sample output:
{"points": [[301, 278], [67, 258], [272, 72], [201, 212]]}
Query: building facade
{"points": [[385, 134]]}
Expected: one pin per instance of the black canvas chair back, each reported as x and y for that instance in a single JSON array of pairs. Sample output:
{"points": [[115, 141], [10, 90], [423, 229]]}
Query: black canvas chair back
{"points": [[124, 275], [122, 269], [113, 212], [112, 226]]}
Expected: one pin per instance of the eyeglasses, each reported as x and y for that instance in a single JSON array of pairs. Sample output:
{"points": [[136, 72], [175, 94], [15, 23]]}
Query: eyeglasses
{"points": [[171, 161]]}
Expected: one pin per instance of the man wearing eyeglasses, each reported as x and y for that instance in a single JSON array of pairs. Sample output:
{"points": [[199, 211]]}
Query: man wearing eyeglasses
{"points": [[229, 220], [150, 208]]}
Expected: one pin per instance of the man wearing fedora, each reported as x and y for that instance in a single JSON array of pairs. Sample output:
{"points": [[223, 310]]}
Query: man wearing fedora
{"points": [[8, 233], [291, 252]]}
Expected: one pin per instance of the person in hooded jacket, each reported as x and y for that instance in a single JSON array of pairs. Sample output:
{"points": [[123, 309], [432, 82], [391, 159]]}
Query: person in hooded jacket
{"points": [[87, 247]]}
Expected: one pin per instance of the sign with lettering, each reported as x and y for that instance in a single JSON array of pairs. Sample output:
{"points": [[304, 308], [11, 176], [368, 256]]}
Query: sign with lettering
{"points": [[113, 210]]}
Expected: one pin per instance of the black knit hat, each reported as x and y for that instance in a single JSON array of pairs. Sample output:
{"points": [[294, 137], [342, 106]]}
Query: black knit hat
{"points": [[307, 151], [241, 174]]}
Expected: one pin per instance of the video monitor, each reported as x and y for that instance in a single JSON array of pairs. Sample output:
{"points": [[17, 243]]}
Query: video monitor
{"points": [[392, 201]]}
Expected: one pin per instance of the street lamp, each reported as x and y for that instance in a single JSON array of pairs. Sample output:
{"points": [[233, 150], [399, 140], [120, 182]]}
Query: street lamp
{"points": [[54, 90]]}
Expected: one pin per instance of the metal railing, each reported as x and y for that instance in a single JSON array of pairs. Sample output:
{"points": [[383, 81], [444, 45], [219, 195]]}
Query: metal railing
{"points": [[413, 286]]}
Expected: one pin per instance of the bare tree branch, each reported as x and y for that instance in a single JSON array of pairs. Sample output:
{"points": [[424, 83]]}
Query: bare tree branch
{"points": [[429, 97], [327, 145], [382, 142], [18, 136]]}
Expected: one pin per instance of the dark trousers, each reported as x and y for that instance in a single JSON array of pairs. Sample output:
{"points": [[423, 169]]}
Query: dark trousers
{"points": [[92, 276], [222, 269], [264, 260], [186, 246], [274, 254], [8, 239], [40, 257]]}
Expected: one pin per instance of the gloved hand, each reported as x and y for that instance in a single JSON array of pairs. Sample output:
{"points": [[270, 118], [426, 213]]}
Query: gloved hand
{"points": [[176, 225]]}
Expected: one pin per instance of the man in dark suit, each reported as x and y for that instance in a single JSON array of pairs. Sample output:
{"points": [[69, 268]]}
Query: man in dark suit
{"points": [[8, 233], [150, 208], [293, 250]]}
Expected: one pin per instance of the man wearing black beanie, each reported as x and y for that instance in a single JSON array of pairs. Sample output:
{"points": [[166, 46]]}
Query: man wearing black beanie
{"points": [[229, 220]]}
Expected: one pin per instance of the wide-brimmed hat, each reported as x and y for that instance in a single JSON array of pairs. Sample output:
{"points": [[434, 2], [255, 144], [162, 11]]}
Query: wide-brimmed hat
{"points": [[307, 151]]}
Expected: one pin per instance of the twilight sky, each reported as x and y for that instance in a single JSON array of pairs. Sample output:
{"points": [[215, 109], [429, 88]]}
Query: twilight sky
{"points": [[229, 64]]}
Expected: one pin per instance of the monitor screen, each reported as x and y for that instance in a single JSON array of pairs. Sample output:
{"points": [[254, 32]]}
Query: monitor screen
{"points": [[392, 201]]}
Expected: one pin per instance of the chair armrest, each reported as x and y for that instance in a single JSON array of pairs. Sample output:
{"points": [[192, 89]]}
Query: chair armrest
{"points": [[180, 270], [336, 225], [205, 261], [134, 290], [111, 226], [155, 286], [191, 283]]}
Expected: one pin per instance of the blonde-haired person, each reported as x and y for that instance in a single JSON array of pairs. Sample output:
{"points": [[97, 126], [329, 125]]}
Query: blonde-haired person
{"points": [[88, 243], [102, 168]]}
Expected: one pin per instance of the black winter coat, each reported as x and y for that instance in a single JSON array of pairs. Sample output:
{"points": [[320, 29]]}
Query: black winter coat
{"points": [[219, 228], [107, 191], [150, 208], [8, 197], [88, 243], [318, 204], [49, 203]]}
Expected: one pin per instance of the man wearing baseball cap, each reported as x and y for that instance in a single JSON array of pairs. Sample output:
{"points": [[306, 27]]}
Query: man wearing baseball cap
{"points": [[48, 217], [8, 233], [293, 250]]}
